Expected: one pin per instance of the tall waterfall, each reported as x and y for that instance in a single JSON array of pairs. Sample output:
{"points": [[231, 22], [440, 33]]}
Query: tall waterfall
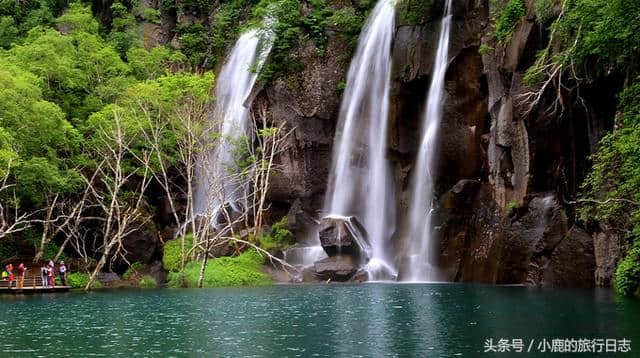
{"points": [[360, 180], [216, 186], [421, 257]]}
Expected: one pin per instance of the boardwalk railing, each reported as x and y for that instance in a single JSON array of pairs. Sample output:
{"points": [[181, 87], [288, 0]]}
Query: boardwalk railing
{"points": [[31, 283]]}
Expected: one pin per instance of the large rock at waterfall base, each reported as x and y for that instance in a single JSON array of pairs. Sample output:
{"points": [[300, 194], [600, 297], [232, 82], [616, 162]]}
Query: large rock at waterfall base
{"points": [[344, 235], [336, 268]]}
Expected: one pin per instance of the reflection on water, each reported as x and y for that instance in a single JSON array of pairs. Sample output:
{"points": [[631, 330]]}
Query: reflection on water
{"points": [[370, 320]]}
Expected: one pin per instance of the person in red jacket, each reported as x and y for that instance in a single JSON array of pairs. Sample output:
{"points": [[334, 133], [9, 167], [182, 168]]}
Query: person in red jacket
{"points": [[50, 273]]}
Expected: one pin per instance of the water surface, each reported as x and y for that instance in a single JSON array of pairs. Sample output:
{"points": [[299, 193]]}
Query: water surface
{"points": [[368, 320]]}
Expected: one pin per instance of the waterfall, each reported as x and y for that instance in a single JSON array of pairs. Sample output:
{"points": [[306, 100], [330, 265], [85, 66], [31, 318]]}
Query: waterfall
{"points": [[420, 255], [360, 179], [215, 184]]}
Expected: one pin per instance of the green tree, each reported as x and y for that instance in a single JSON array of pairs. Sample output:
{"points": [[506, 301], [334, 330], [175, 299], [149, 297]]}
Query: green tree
{"points": [[41, 138], [80, 71]]}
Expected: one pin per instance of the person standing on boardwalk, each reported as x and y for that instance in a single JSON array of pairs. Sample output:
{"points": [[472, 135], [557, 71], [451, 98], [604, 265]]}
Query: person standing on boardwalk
{"points": [[22, 270], [63, 273], [10, 273], [50, 275], [44, 273]]}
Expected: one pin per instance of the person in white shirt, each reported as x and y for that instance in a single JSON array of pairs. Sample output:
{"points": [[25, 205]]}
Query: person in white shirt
{"points": [[44, 272], [63, 273]]}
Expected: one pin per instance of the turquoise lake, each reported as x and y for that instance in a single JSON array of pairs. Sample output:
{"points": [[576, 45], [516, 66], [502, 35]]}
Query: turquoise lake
{"points": [[366, 320]]}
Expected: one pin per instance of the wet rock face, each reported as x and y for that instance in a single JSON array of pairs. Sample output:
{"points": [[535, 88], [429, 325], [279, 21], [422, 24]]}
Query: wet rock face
{"points": [[572, 263], [607, 253], [540, 248], [515, 227], [531, 235], [308, 103], [470, 233], [531, 244]]}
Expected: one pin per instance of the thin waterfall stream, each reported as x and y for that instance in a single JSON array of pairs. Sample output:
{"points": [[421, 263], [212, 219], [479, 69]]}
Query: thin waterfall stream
{"points": [[235, 82], [420, 255]]}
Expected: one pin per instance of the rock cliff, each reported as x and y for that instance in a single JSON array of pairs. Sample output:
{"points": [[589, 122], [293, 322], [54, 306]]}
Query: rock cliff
{"points": [[506, 173]]}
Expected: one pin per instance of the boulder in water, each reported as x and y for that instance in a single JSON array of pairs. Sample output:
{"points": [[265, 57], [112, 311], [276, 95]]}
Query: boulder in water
{"points": [[344, 235], [336, 268]]}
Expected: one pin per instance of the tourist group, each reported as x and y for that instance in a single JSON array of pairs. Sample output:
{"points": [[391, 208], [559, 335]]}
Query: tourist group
{"points": [[47, 273]]}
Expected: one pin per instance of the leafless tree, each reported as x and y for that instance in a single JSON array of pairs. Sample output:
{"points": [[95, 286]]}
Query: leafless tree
{"points": [[12, 219], [71, 227], [188, 123], [120, 200]]}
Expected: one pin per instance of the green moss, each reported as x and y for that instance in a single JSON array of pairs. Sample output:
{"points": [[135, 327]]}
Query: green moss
{"points": [[242, 270], [172, 253], [513, 12], [147, 282], [280, 232]]}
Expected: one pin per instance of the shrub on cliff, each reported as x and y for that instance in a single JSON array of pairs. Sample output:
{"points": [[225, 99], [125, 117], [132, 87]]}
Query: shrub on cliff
{"points": [[513, 12], [279, 237]]}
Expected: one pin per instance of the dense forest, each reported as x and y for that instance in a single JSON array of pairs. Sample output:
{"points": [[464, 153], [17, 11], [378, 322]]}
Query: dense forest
{"points": [[104, 106]]}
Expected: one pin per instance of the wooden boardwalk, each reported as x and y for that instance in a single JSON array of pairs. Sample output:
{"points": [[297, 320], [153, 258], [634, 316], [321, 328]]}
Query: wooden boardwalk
{"points": [[36, 289], [32, 284]]}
